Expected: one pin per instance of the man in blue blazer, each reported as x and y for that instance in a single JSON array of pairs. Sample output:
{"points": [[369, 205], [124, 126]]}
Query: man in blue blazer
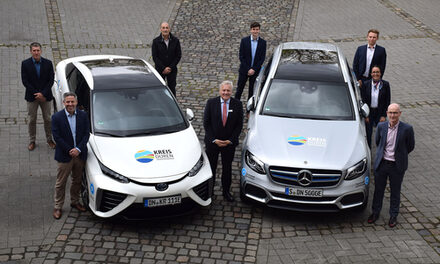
{"points": [[367, 56], [37, 76], [252, 55], [71, 131], [376, 94], [394, 140], [223, 121]]}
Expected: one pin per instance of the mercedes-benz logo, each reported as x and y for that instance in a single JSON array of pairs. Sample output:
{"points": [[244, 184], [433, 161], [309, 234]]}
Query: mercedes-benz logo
{"points": [[304, 177], [161, 186]]}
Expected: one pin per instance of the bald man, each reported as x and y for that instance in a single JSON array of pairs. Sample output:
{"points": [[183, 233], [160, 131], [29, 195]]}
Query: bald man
{"points": [[394, 140]]}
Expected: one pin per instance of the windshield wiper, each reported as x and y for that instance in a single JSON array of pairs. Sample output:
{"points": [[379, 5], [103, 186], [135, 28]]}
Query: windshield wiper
{"points": [[107, 134]]}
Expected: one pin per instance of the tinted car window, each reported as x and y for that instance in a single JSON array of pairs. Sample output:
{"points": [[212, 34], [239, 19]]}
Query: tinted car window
{"points": [[308, 99], [140, 111]]}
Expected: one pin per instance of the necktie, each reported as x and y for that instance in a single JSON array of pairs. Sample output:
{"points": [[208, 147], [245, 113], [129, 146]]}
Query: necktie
{"points": [[376, 85], [225, 113]]}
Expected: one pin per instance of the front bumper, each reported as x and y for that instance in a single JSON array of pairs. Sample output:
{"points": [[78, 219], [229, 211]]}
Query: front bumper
{"points": [[108, 197], [344, 195]]}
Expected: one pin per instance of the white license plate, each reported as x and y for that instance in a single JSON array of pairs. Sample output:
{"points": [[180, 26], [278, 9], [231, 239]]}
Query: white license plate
{"points": [[303, 192], [170, 200]]}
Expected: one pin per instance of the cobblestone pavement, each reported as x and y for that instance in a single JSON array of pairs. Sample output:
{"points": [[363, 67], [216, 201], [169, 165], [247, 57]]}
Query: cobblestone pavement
{"points": [[210, 32]]}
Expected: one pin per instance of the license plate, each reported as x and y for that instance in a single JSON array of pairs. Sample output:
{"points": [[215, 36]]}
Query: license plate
{"points": [[170, 200], [303, 192]]}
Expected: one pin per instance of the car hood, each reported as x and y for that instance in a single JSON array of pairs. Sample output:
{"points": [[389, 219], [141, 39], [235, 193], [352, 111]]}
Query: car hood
{"points": [[320, 144], [149, 159]]}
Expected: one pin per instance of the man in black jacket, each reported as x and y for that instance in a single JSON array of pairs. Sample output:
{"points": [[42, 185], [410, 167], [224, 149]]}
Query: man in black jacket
{"points": [[223, 121], [166, 54], [37, 76]]}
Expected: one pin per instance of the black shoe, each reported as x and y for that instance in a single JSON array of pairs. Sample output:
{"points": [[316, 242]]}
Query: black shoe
{"points": [[228, 196], [372, 218], [393, 221]]}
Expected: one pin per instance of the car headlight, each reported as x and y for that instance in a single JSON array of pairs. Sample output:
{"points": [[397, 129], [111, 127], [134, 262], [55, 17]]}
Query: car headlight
{"points": [[196, 167], [112, 174], [357, 170], [254, 163]]}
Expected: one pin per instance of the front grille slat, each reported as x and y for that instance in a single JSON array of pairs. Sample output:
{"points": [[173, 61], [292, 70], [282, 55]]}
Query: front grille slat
{"points": [[320, 178], [110, 200]]}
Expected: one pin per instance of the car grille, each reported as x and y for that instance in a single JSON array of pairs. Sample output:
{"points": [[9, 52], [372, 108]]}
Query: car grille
{"points": [[204, 190], [109, 200], [320, 178]]}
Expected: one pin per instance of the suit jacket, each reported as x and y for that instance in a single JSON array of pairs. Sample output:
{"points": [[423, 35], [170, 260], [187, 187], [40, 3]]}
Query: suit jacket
{"points": [[245, 55], [164, 56], [212, 121], [384, 96], [404, 144], [360, 60], [63, 135], [32, 83]]}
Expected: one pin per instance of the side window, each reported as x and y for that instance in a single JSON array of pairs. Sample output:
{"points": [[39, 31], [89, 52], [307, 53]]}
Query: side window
{"points": [[78, 85], [262, 77], [355, 84]]}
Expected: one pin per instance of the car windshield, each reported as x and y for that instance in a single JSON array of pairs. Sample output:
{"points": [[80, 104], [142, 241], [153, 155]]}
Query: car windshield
{"points": [[133, 112], [308, 99]]}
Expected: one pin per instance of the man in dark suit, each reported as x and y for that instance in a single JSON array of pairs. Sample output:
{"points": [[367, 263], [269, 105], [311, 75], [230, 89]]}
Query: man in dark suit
{"points": [[376, 94], [37, 76], [369, 55], [394, 140], [71, 131], [166, 54], [223, 121], [252, 55]]}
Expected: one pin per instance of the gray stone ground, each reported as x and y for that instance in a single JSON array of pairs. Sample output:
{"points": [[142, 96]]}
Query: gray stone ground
{"points": [[210, 32]]}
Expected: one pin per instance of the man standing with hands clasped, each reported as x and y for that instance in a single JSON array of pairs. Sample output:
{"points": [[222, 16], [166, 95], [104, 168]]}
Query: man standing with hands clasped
{"points": [[394, 140], [252, 55], [223, 121], [38, 77], [71, 131], [166, 54]]}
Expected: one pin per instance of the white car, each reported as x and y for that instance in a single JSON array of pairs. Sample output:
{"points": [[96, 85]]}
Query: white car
{"points": [[143, 152]]}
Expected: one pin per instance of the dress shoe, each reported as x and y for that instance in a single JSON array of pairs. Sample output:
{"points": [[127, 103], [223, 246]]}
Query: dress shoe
{"points": [[228, 196], [57, 213], [393, 221], [372, 218], [79, 207], [31, 146], [51, 144]]}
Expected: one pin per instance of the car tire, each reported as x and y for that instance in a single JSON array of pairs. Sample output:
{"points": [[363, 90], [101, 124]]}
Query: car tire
{"points": [[84, 191]]}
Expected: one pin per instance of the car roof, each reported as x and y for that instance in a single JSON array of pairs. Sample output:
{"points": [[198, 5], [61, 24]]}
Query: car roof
{"points": [[309, 61], [121, 73]]}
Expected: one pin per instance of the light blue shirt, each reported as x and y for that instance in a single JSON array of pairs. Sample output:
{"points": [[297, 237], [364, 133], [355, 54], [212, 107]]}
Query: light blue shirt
{"points": [[37, 66], [72, 124], [254, 44]]}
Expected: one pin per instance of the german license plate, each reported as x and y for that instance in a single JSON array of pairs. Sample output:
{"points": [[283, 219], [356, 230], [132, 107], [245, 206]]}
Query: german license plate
{"points": [[303, 192], [170, 200]]}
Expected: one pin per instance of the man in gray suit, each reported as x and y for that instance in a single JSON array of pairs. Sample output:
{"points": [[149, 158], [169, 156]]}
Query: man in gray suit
{"points": [[394, 140]]}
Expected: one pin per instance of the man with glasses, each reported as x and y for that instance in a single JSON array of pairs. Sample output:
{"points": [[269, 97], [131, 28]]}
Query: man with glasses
{"points": [[394, 140]]}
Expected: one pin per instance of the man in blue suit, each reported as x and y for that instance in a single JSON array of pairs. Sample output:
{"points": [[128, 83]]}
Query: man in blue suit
{"points": [[368, 55], [38, 77], [71, 131], [394, 140], [223, 121], [252, 55]]}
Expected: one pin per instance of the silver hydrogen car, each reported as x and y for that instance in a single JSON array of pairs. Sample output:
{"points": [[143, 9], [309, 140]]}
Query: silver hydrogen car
{"points": [[305, 147]]}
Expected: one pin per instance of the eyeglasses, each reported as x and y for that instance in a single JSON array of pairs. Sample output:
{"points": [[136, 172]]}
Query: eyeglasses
{"points": [[393, 113]]}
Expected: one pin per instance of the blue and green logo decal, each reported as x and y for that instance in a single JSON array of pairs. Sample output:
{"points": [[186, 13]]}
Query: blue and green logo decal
{"points": [[144, 156], [297, 140]]}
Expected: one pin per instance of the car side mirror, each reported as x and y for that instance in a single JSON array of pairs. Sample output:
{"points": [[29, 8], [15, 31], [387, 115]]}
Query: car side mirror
{"points": [[250, 106], [189, 115], [365, 110]]}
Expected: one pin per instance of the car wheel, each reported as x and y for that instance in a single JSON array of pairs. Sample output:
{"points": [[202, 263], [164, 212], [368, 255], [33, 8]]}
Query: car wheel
{"points": [[84, 191]]}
